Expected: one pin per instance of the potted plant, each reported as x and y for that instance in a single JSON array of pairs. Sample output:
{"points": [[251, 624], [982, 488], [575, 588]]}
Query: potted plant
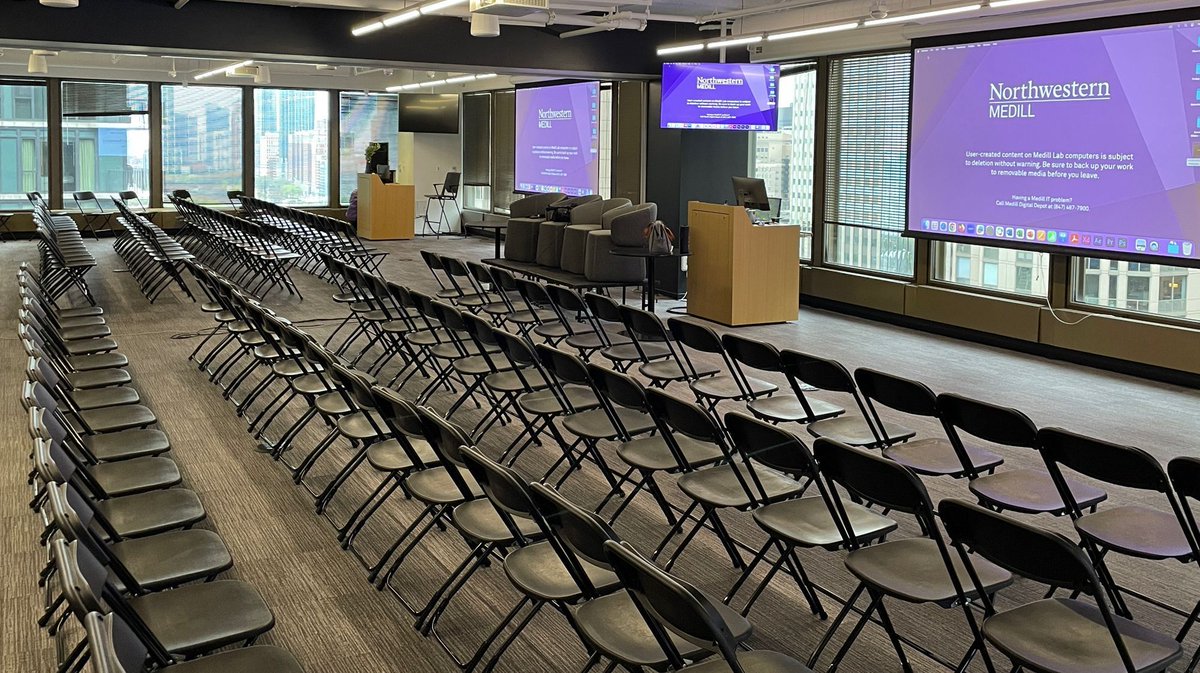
{"points": [[372, 148]]}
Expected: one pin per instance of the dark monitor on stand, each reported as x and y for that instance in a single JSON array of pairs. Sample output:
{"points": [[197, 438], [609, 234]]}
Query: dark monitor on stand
{"points": [[751, 194]]}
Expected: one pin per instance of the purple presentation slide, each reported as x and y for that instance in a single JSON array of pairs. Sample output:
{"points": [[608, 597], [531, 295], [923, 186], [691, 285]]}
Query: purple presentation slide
{"points": [[558, 139], [721, 96], [1089, 141]]}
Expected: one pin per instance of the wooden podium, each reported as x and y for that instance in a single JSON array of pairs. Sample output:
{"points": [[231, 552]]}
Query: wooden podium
{"points": [[385, 212], [739, 273]]}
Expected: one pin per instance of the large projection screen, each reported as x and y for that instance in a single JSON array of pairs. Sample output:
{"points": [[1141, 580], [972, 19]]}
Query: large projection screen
{"points": [[558, 139], [1084, 142]]}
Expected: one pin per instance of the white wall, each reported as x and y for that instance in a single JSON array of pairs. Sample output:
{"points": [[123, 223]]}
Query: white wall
{"points": [[434, 155]]}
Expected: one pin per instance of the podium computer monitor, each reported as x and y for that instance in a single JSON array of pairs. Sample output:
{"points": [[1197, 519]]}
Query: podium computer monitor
{"points": [[751, 193]]}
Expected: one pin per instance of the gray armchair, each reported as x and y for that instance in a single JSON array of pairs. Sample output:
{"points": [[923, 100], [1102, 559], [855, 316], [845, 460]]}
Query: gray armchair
{"points": [[550, 234], [524, 217], [585, 218], [624, 228]]}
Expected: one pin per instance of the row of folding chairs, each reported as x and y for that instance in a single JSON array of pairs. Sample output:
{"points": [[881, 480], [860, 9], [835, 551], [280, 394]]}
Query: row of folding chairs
{"points": [[754, 464], [312, 235], [64, 260], [239, 248], [152, 256], [130, 584], [1030, 491]]}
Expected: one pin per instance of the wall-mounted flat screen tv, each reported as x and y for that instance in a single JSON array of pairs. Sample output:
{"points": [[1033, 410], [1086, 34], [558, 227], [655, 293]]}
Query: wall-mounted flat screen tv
{"points": [[429, 112], [720, 96]]}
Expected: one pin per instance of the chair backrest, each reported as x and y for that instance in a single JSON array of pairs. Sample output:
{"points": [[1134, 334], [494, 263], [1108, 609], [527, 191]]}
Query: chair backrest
{"points": [[770, 445], [507, 491], [684, 417], [990, 422], [873, 478], [534, 205], [567, 367], [643, 323], [581, 530], [903, 395], [603, 307], [818, 372], [1022, 548], [671, 603], [1104, 461], [619, 388], [444, 437], [566, 299], [695, 336], [1185, 476], [450, 184], [516, 348], [113, 646], [86, 200]]}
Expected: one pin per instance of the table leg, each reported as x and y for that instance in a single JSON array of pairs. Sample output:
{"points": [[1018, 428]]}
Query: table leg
{"points": [[497, 234], [649, 298]]}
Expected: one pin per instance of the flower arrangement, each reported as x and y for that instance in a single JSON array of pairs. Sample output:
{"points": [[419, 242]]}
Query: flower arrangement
{"points": [[372, 148]]}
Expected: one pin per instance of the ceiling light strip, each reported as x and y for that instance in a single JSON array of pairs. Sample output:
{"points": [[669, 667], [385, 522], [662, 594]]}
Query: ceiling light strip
{"points": [[816, 30], [459, 79], [403, 16], [907, 18], [224, 69]]}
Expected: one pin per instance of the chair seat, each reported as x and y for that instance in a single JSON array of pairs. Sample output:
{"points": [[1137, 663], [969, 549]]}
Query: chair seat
{"points": [[98, 378], [332, 404], [669, 370], [913, 570], [79, 311], [254, 659], [787, 408], [127, 444], [551, 330], [806, 522], [91, 347], [595, 423], [390, 456], [173, 558], [292, 368], [112, 419], [200, 618], [652, 454], [936, 457], [360, 426], [510, 381], [136, 475], [1031, 491], [105, 397], [81, 321], [721, 487], [614, 626], [87, 363], [627, 352], [153, 512], [591, 341], [544, 402], [436, 486], [311, 384], [84, 332], [853, 430], [477, 365], [478, 520], [537, 571], [754, 661], [1138, 531], [724, 387], [1070, 636]]}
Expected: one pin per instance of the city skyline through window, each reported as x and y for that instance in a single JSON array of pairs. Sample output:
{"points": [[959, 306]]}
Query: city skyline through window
{"points": [[291, 146]]}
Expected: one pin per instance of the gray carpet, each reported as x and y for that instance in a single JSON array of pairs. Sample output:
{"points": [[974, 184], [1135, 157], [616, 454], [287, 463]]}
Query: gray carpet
{"points": [[333, 620]]}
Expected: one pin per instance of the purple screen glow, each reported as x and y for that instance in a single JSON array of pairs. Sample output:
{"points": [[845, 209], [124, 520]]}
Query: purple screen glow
{"points": [[722, 96], [1088, 141], [558, 139]]}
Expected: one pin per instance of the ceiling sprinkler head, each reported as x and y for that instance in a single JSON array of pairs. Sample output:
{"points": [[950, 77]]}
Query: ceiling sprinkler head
{"points": [[879, 10]]}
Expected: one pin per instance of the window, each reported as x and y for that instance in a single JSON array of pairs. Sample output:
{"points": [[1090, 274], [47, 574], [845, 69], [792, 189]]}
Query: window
{"points": [[1141, 287], [106, 139], [477, 151], [291, 146], [991, 268], [22, 143], [202, 141], [866, 163], [604, 156], [364, 119], [784, 158]]}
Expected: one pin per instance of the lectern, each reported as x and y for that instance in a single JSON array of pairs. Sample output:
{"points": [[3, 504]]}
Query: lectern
{"points": [[385, 211], [741, 273]]}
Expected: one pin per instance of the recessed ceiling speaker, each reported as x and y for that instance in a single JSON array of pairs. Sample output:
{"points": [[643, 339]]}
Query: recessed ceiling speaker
{"points": [[66, 4], [485, 25]]}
